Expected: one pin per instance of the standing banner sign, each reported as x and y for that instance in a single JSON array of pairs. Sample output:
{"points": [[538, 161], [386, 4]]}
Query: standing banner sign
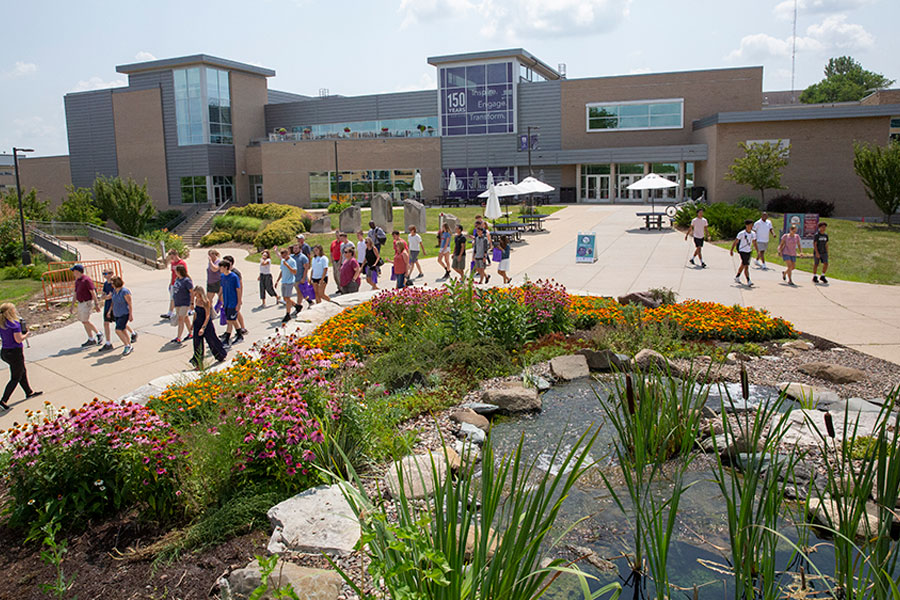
{"points": [[584, 248], [807, 226]]}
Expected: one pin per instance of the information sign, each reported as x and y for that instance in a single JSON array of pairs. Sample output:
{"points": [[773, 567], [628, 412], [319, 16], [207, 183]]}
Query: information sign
{"points": [[807, 226], [585, 248]]}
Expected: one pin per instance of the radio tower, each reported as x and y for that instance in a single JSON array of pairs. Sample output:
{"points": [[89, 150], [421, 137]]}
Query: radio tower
{"points": [[794, 54]]}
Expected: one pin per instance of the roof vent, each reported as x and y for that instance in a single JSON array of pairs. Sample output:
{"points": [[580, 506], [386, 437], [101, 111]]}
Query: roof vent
{"points": [[324, 93], [561, 69]]}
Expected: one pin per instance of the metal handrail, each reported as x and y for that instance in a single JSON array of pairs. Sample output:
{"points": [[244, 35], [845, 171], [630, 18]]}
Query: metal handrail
{"points": [[115, 240], [54, 245]]}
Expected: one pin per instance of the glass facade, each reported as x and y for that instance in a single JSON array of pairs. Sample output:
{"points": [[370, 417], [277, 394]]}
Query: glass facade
{"points": [[410, 127], [895, 129], [223, 189], [477, 99], [360, 186], [655, 114], [472, 181], [193, 190], [202, 106]]}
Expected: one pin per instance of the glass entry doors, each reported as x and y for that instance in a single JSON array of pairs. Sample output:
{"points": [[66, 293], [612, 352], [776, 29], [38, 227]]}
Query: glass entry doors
{"points": [[624, 182], [223, 189], [596, 188]]}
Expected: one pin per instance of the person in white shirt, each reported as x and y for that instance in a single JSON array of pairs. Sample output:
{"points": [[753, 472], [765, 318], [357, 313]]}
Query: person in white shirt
{"points": [[360, 246], [415, 247], [698, 229], [746, 243], [763, 229]]}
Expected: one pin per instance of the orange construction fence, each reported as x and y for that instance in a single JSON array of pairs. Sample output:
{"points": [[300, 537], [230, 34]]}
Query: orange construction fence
{"points": [[59, 280]]}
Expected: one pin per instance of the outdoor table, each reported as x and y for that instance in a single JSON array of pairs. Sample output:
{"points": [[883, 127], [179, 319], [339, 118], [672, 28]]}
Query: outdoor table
{"points": [[653, 220], [535, 221], [515, 229]]}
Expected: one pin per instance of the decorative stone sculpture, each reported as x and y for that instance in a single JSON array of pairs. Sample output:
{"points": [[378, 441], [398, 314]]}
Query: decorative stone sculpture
{"points": [[414, 214], [351, 220], [383, 212]]}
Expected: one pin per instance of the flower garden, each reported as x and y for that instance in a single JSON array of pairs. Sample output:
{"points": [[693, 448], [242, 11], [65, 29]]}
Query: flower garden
{"points": [[295, 410]]}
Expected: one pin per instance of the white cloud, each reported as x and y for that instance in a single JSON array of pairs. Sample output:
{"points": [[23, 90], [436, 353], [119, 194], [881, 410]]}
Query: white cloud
{"points": [[34, 127], [144, 56], [514, 19], [785, 9], [96, 83], [21, 69], [833, 34], [426, 81]]}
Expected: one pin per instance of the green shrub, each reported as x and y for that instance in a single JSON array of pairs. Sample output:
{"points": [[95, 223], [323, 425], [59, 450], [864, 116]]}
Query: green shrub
{"points": [[338, 207], [229, 222], [171, 240], [632, 334], [790, 203], [479, 360], [215, 237], [725, 220], [267, 211], [281, 231], [32, 271], [749, 202]]}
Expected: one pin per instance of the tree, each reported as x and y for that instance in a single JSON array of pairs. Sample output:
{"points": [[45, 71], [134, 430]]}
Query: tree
{"points": [[34, 209], [126, 203], [79, 207], [760, 167], [879, 170], [845, 81]]}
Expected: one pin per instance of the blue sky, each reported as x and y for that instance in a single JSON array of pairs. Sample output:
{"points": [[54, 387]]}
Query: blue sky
{"points": [[51, 48]]}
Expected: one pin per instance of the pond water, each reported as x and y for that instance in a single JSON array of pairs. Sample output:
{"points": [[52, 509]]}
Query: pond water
{"points": [[700, 550]]}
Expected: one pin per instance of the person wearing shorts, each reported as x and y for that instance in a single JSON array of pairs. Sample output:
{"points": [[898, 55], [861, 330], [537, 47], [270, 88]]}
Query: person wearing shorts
{"points": [[445, 240], [288, 279], [459, 252], [108, 318], [763, 229], [301, 277], [503, 268], [788, 248], [174, 260], [123, 312], [415, 248], [318, 273], [698, 229], [745, 243], [370, 258], [85, 298], [181, 297], [232, 294], [480, 247], [820, 253], [213, 277]]}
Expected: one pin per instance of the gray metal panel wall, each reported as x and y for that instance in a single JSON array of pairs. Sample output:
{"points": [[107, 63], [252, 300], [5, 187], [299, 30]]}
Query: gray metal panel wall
{"points": [[92, 136], [801, 113], [339, 109], [540, 104]]}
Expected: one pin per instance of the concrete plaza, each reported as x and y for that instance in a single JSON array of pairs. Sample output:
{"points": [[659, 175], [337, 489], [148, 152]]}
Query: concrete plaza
{"points": [[862, 316]]}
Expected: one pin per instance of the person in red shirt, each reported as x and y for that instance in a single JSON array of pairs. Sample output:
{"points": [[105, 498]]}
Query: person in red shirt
{"points": [[336, 257], [174, 260], [85, 297]]}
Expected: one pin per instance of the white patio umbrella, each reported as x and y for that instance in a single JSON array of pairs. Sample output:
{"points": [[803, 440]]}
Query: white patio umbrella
{"points": [[652, 182], [503, 189], [530, 185], [418, 188], [452, 184]]}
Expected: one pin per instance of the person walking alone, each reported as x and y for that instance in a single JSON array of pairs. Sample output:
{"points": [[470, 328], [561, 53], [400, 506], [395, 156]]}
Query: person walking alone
{"points": [[12, 333], [204, 329], [698, 229], [445, 239], [763, 229], [401, 263], [123, 312], [265, 278], [820, 253], [85, 298], [746, 244], [788, 248]]}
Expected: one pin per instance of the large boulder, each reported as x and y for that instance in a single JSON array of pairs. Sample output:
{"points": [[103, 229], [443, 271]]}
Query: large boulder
{"points": [[604, 360], [321, 225], [314, 521], [513, 398], [383, 211], [647, 359], [351, 220], [416, 469], [307, 583], [465, 415], [569, 367], [825, 510], [801, 392], [832, 372], [414, 214], [450, 220], [640, 298]]}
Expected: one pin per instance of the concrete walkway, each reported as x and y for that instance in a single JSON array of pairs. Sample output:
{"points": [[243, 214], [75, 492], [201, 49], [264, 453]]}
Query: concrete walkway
{"points": [[863, 316]]}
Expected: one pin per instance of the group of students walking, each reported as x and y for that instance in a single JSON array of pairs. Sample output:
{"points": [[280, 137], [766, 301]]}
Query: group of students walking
{"points": [[755, 238]]}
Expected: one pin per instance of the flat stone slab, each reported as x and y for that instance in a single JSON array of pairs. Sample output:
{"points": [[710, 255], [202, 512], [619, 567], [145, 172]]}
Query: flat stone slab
{"points": [[307, 583], [604, 360], [569, 367], [482, 408], [465, 415], [472, 433], [314, 521], [513, 398], [142, 394], [803, 426], [418, 478], [833, 372], [803, 392]]}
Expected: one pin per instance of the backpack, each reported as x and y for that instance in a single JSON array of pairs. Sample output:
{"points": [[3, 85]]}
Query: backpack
{"points": [[380, 235]]}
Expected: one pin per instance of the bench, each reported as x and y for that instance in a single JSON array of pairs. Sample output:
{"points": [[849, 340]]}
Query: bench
{"points": [[653, 220]]}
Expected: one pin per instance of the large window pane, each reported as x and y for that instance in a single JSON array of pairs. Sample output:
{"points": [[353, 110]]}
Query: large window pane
{"points": [[663, 114]]}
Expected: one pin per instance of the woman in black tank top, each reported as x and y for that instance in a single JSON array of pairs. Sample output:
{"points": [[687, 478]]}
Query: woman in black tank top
{"points": [[371, 264]]}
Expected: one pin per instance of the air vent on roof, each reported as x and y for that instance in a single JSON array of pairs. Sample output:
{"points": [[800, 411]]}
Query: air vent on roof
{"points": [[561, 68], [324, 93]]}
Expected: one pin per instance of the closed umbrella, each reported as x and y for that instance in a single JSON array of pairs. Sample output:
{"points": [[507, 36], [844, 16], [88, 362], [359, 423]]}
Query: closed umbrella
{"points": [[452, 185], [652, 182], [418, 188], [492, 210]]}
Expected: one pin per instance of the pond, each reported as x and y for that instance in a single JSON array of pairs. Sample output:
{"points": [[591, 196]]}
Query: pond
{"points": [[700, 549]]}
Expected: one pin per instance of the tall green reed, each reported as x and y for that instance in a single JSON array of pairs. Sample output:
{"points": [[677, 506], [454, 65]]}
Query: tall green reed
{"points": [[483, 536], [656, 419]]}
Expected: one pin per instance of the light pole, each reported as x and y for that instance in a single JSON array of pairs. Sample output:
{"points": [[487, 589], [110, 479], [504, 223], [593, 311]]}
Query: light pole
{"points": [[530, 170], [26, 256], [337, 175]]}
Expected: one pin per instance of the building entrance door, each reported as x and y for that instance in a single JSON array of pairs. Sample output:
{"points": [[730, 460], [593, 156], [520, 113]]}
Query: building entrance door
{"points": [[259, 193], [624, 192], [596, 188], [223, 189]]}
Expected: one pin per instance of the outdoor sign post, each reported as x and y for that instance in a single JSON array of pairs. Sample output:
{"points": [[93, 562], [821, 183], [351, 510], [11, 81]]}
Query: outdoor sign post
{"points": [[807, 226], [585, 246]]}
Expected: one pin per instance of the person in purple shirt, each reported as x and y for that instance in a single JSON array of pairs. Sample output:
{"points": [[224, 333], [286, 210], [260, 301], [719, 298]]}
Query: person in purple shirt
{"points": [[12, 334]]}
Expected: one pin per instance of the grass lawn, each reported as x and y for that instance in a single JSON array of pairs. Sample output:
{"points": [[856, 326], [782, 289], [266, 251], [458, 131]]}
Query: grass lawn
{"points": [[18, 290], [466, 214], [865, 252]]}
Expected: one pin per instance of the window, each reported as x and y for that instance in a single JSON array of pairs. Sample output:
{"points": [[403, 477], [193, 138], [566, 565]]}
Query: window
{"points": [[360, 186], [202, 106], [472, 181], [644, 114], [477, 99], [895, 129], [408, 127], [193, 190]]}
